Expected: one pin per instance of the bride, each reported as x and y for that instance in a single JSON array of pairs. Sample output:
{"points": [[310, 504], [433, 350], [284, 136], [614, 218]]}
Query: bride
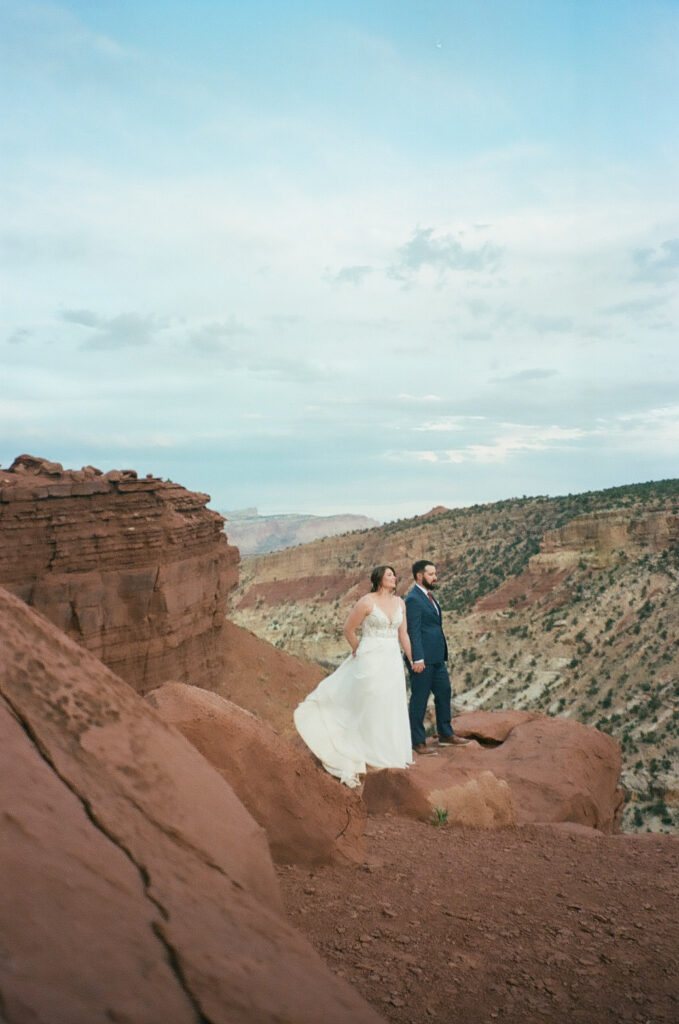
{"points": [[358, 716]]}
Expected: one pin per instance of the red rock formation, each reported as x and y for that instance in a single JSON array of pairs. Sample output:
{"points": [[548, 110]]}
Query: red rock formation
{"points": [[308, 818], [136, 886], [538, 769], [265, 680], [136, 571]]}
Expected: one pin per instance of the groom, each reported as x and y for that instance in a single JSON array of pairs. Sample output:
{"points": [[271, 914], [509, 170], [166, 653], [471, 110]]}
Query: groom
{"points": [[429, 673]]}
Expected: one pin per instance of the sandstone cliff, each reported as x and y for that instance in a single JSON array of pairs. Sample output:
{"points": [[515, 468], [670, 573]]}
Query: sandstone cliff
{"points": [[136, 570]]}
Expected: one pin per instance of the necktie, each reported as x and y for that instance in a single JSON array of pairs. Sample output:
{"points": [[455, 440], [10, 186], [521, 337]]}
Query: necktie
{"points": [[431, 598]]}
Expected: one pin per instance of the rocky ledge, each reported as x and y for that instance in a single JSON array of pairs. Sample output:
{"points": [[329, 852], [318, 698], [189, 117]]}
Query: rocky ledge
{"points": [[137, 571]]}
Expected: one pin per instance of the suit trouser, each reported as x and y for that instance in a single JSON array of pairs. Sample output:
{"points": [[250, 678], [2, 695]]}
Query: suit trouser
{"points": [[434, 679]]}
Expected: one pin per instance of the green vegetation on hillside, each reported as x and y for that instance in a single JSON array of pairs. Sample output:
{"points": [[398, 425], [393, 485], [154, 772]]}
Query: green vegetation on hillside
{"points": [[500, 538]]}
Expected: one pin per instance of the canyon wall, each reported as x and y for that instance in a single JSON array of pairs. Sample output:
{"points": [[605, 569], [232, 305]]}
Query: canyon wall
{"points": [[137, 571], [602, 538]]}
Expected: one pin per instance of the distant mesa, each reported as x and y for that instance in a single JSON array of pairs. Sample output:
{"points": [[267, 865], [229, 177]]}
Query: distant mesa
{"points": [[257, 535]]}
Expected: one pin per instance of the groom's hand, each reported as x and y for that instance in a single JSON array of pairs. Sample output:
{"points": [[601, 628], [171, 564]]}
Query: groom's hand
{"points": [[418, 666]]}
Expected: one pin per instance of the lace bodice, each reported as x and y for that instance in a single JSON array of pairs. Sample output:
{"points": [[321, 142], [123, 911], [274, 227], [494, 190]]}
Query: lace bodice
{"points": [[378, 624]]}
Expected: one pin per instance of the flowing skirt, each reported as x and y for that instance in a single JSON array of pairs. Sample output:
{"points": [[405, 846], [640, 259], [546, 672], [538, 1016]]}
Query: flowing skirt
{"points": [[358, 716]]}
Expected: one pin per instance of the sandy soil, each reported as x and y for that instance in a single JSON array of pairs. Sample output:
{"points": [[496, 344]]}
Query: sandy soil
{"points": [[536, 924]]}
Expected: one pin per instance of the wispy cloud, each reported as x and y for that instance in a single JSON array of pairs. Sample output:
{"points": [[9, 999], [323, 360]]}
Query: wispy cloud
{"points": [[82, 317], [245, 350], [218, 336], [512, 439], [19, 337], [552, 324], [354, 275], [654, 430], [635, 307], [536, 373], [447, 423], [127, 330], [405, 396], [442, 252], [659, 264]]}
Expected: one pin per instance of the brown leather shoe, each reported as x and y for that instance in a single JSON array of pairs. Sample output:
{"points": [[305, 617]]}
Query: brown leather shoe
{"points": [[457, 741], [422, 748]]}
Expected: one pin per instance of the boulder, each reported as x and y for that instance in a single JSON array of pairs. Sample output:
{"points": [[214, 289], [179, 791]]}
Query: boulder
{"points": [[491, 726], [136, 886], [426, 791], [544, 770], [307, 816]]}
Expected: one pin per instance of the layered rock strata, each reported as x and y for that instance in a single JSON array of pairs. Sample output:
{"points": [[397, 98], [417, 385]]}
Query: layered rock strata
{"points": [[135, 570]]}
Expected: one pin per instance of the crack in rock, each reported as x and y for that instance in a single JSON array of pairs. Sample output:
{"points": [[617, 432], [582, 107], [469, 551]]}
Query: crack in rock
{"points": [[171, 953]]}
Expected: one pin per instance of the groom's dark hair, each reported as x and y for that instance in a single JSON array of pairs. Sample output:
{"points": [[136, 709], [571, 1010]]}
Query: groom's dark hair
{"points": [[420, 566]]}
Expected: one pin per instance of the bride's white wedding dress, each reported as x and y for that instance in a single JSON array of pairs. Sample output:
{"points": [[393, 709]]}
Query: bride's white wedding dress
{"points": [[358, 716]]}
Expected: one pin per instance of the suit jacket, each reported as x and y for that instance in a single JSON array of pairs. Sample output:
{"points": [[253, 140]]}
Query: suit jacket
{"points": [[424, 628]]}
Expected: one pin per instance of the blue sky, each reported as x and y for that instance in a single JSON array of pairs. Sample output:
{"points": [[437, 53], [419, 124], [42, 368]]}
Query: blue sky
{"points": [[328, 257]]}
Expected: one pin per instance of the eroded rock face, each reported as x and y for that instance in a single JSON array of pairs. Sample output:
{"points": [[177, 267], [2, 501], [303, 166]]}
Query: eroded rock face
{"points": [[603, 537], [307, 816], [136, 571], [137, 887], [538, 769], [265, 680]]}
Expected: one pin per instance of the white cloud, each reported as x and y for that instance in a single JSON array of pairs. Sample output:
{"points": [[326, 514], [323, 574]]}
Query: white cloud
{"points": [[406, 397], [511, 439], [447, 423], [654, 430]]}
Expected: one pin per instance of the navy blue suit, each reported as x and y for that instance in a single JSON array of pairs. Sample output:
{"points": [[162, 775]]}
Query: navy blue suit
{"points": [[429, 645]]}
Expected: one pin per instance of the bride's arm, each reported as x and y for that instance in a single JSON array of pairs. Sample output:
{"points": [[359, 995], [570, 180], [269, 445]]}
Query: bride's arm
{"points": [[356, 617], [403, 635]]}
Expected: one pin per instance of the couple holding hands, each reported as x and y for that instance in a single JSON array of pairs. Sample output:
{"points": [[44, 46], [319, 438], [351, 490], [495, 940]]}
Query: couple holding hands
{"points": [[359, 715]]}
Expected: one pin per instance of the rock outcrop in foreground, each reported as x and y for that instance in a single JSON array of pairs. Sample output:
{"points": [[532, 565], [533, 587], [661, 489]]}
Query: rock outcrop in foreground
{"points": [[136, 886], [307, 816], [137, 571]]}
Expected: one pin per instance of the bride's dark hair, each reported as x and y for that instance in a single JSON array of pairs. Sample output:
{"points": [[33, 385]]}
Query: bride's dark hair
{"points": [[377, 575]]}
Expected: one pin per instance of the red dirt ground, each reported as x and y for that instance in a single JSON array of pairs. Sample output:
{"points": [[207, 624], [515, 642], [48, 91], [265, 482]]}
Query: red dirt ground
{"points": [[539, 924]]}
